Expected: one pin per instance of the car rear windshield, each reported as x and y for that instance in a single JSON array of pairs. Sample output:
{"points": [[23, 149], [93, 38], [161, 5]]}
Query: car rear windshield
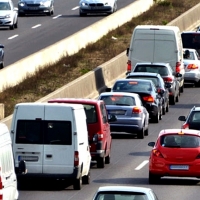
{"points": [[132, 86], [121, 196], [191, 40], [91, 113], [153, 79], [162, 70], [182, 141], [118, 100], [194, 117], [44, 132]]}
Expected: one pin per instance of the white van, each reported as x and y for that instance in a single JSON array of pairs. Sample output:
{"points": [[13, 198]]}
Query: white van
{"points": [[53, 140], [154, 43], [8, 178]]}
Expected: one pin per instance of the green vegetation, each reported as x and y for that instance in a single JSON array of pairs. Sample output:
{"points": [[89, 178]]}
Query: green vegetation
{"points": [[69, 68]]}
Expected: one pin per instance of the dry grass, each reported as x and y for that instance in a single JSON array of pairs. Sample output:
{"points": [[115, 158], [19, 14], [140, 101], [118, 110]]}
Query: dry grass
{"points": [[69, 68]]}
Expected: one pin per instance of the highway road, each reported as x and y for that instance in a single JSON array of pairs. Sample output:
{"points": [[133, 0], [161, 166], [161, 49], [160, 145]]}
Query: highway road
{"points": [[37, 32], [129, 165]]}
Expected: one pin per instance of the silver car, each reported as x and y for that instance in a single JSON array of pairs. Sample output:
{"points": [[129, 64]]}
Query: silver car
{"points": [[124, 193], [45, 7], [97, 6], [192, 67], [132, 116], [8, 14]]}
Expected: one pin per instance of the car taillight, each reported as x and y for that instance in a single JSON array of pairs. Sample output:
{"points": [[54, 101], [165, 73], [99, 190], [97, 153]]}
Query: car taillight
{"points": [[192, 66], [157, 153], [129, 66], [136, 110], [100, 136], [149, 99], [168, 79], [76, 158], [178, 67], [185, 126]]}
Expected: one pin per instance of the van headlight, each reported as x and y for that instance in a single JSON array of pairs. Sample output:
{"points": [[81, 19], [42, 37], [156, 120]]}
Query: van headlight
{"points": [[46, 4], [22, 4], [7, 16]]}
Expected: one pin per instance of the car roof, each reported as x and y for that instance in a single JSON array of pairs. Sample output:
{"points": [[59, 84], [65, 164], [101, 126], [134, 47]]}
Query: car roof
{"points": [[143, 74], [75, 100], [124, 188], [120, 93], [152, 63], [179, 131], [196, 109], [132, 79]]}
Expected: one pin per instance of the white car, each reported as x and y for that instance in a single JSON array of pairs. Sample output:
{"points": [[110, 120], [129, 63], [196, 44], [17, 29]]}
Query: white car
{"points": [[8, 14], [192, 67], [97, 6], [124, 193]]}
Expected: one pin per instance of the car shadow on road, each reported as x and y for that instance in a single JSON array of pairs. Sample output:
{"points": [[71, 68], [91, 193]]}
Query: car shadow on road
{"points": [[144, 181]]}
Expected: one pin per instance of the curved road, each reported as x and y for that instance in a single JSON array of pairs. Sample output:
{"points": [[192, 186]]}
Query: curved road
{"points": [[129, 165], [37, 32]]}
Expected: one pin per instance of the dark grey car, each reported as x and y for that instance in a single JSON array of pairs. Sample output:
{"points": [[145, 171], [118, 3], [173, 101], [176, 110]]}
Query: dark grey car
{"points": [[45, 7]]}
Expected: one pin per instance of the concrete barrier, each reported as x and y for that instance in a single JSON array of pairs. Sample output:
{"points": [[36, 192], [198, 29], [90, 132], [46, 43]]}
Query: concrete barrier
{"points": [[15, 73], [92, 83]]}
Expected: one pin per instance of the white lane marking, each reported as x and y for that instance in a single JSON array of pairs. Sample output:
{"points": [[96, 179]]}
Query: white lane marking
{"points": [[75, 8], [141, 165], [14, 36], [56, 16], [36, 26]]}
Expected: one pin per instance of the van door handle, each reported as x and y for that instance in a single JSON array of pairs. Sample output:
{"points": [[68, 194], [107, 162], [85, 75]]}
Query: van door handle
{"points": [[49, 156], [81, 143], [7, 177]]}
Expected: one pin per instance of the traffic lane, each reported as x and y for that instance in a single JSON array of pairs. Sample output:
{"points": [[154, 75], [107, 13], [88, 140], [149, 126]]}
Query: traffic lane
{"points": [[25, 41], [127, 155]]}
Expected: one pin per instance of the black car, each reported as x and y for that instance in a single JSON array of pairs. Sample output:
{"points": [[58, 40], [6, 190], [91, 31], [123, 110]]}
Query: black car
{"points": [[192, 121], [1, 56], [158, 81], [147, 91], [169, 76]]}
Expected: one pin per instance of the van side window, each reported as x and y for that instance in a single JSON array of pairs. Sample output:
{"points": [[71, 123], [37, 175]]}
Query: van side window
{"points": [[103, 113], [57, 132], [44, 132]]}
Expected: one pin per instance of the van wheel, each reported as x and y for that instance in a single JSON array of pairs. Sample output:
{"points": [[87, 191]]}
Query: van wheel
{"points": [[107, 159], [167, 108], [86, 178], [177, 98], [172, 100], [101, 162], [78, 183], [182, 88], [146, 132]]}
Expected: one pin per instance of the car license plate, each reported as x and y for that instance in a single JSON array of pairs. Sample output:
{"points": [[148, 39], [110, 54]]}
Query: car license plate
{"points": [[117, 112], [96, 8], [33, 8], [179, 167]]}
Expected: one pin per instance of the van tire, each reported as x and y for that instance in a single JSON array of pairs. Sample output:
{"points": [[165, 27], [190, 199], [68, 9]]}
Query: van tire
{"points": [[86, 178], [77, 185], [101, 162], [107, 159]]}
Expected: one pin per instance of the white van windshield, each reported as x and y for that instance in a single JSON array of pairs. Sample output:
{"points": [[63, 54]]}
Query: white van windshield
{"points": [[44, 132]]}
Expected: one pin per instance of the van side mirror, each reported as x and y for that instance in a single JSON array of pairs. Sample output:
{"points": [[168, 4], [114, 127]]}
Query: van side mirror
{"points": [[178, 75], [22, 167], [160, 91], [182, 118], [95, 138], [127, 51], [113, 118]]}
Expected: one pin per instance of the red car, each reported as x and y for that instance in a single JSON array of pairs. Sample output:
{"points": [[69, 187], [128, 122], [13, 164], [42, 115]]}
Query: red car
{"points": [[175, 153], [98, 128]]}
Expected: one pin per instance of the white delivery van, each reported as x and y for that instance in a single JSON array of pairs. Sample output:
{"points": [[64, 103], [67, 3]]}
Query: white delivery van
{"points": [[53, 140], [8, 178], [156, 43]]}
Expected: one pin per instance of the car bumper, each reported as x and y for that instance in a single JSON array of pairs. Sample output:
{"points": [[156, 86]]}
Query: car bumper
{"points": [[162, 168], [5, 22], [100, 9], [34, 10], [191, 77]]}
